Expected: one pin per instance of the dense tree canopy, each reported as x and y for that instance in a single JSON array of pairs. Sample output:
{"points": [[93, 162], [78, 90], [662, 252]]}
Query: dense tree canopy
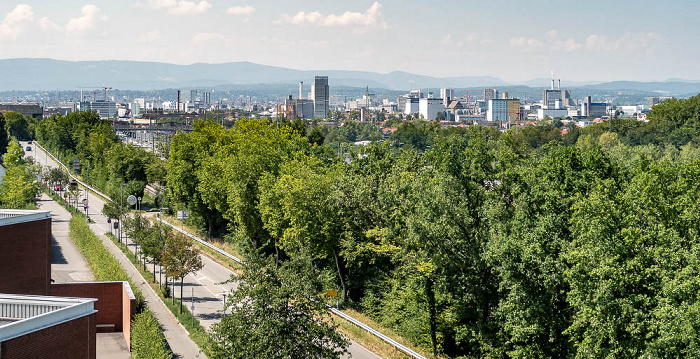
{"points": [[541, 241]]}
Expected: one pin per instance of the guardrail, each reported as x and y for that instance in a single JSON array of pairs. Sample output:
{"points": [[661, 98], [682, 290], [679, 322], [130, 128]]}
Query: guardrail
{"points": [[222, 252], [335, 311], [87, 186]]}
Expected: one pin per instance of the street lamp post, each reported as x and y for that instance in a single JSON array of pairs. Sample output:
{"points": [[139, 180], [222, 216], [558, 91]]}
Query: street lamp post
{"points": [[121, 209]]}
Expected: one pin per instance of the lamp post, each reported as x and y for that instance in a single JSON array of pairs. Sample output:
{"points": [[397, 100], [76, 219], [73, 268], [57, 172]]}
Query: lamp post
{"points": [[224, 295], [121, 209]]}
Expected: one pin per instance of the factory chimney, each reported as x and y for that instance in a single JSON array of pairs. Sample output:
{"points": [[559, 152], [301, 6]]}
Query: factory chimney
{"points": [[552, 88], [301, 90]]}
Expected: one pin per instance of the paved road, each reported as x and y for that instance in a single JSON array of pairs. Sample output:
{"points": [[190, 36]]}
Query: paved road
{"points": [[70, 265], [204, 288]]}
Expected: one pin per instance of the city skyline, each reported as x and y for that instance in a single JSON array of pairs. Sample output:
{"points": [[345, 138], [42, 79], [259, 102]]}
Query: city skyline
{"points": [[514, 41]]}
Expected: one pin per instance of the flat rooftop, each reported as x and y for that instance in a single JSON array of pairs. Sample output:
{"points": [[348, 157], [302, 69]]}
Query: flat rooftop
{"points": [[14, 216], [24, 314]]}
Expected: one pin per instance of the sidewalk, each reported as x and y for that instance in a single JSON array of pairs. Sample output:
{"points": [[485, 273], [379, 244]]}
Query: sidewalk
{"points": [[69, 265], [178, 338]]}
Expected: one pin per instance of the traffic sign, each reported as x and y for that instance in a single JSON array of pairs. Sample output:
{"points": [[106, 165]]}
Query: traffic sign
{"points": [[131, 199], [76, 164], [332, 293], [85, 202], [183, 214]]}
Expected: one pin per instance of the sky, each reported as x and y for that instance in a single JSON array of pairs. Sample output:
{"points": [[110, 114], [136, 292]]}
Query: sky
{"points": [[591, 40]]}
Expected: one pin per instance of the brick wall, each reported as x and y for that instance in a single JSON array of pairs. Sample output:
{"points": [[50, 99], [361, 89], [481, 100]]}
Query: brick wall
{"points": [[72, 339], [114, 306], [25, 258]]}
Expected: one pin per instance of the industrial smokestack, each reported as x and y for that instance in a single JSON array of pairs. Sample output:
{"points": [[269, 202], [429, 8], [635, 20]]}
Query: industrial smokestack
{"points": [[178, 102], [301, 90], [559, 85], [552, 88]]}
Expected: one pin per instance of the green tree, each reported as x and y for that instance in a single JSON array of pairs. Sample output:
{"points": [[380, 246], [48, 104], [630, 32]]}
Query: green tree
{"points": [[276, 313], [14, 154], [18, 126], [4, 138], [180, 259]]}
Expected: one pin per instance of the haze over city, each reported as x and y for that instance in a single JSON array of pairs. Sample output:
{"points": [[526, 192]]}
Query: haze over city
{"points": [[512, 40]]}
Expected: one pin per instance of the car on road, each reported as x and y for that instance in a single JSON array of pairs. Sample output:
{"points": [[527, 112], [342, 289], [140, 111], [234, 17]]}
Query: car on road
{"points": [[29, 148]]}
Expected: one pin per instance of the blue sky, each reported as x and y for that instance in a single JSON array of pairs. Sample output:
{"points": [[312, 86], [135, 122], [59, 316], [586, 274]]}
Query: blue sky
{"points": [[514, 40]]}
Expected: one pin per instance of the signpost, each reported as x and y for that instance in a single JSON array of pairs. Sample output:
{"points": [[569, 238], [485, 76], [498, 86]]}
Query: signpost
{"points": [[333, 293], [182, 216]]}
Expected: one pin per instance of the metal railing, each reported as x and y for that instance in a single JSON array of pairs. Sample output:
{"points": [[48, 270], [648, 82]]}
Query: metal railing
{"points": [[87, 186], [218, 250], [335, 311]]}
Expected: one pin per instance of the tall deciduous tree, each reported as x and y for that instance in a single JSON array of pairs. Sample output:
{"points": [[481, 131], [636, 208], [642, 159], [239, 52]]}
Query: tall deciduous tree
{"points": [[276, 313], [180, 259]]}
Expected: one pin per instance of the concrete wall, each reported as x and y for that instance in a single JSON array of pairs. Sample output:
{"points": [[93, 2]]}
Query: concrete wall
{"points": [[115, 304], [72, 339], [25, 258]]}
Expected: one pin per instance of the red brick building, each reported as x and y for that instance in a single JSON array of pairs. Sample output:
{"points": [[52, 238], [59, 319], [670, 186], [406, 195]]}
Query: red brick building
{"points": [[39, 319]]}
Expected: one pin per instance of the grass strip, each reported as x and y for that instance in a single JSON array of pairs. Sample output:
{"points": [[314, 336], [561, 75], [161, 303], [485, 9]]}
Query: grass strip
{"points": [[197, 333], [106, 268]]}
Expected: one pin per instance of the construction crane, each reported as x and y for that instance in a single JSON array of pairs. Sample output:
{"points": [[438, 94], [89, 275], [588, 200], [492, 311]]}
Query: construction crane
{"points": [[471, 108], [104, 89]]}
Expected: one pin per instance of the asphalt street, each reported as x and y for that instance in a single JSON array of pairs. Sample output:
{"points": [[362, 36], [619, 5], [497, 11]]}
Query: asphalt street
{"points": [[203, 289]]}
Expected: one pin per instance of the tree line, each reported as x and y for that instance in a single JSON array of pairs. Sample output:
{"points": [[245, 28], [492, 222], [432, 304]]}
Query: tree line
{"points": [[472, 242], [543, 241]]}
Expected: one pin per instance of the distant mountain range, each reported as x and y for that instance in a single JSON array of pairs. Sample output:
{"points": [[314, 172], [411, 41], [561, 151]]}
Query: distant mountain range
{"points": [[25, 74]]}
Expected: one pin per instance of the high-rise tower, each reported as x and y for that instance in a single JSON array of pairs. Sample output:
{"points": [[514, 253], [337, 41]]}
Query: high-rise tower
{"points": [[320, 95]]}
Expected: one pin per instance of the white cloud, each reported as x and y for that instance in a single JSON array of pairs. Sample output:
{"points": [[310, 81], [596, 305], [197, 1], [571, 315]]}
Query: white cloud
{"points": [[181, 7], [464, 41], [11, 26], [48, 25], [370, 18], [525, 43], [630, 42], [241, 10], [89, 15], [568, 45], [552, 35], [150, 36], [204, 37]]}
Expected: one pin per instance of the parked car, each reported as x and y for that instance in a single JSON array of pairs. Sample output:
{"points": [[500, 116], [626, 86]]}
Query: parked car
{"points": [[29, 148]]}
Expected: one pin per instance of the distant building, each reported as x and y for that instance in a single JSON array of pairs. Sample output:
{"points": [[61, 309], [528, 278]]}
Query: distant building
{"points": [[26, 109], [504, 110], [188, 96], [653, 101], [447, 95], [552, 99], [320, 94], [490, 94], [105, 109], [296, 108], [553, 113], [593, 109], [429, 107], [411, 105]]}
